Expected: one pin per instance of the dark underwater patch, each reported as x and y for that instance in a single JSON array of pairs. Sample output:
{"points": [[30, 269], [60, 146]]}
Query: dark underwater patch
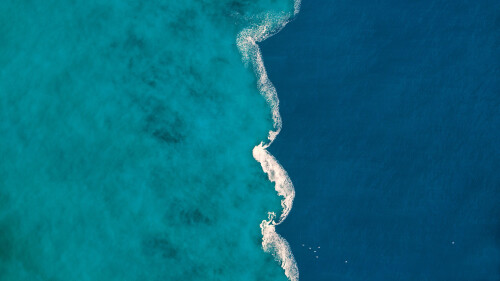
{"points": [[164, 125], [159, 246], [194, 216]]}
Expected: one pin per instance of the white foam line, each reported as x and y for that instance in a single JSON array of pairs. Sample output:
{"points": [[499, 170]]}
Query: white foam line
{"points": [[247, 43]]}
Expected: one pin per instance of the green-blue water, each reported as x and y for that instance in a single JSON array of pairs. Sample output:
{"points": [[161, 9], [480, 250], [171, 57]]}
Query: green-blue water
{"points": [[126, 136]]}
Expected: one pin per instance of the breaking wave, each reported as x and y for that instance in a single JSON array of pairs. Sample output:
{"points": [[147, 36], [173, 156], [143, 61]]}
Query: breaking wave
{"points": [[247, 39]]}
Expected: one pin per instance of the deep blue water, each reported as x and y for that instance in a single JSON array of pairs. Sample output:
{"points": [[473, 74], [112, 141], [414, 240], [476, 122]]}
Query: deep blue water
{"points": [[391, 135]]}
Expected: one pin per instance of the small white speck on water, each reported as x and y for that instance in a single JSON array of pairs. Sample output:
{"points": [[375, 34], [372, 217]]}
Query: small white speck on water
{"points": [[345, 261], [317, 257], [315, 251], [310, 248], [453, 242]]}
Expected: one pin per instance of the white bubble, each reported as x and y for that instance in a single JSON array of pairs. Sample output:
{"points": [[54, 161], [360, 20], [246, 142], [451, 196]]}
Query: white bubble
{"points": [[247, 44]]}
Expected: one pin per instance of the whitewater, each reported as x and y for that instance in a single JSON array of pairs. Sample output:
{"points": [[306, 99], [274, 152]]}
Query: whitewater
{"points": [[247, 41]]}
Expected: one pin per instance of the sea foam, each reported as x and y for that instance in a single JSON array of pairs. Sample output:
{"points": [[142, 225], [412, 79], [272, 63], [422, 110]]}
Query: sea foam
{"points": [[247, 39]]}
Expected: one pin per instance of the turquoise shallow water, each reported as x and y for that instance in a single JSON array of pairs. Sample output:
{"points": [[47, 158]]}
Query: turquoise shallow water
{"points": [[126, 136]]}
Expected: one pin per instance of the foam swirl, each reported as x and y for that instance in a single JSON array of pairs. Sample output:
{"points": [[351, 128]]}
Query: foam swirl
{"points": [[247, 40]]}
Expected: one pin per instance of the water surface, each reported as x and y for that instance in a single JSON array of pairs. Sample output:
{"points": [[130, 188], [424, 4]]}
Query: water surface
{"points": [[391, 136]]}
